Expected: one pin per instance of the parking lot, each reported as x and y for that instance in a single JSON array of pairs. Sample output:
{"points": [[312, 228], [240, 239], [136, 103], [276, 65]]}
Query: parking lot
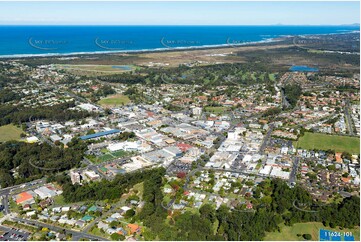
{"points": [[10, 234]]}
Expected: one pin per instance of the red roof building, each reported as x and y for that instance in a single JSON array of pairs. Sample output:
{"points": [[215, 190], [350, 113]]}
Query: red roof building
{"points": [[24, 198], [184, 147]]}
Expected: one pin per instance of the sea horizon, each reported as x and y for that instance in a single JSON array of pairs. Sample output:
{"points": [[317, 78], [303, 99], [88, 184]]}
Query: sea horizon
{"points": [[18, 41]]}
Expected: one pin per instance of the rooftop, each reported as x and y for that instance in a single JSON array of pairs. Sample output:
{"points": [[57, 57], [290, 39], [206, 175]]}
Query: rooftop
{"points": [[99, 134]]}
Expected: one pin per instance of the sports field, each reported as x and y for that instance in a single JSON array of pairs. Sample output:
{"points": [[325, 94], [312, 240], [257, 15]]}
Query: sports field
{"points": [[333, 142], [114, 100], [313, 228], [111, 156], [9, 132]]}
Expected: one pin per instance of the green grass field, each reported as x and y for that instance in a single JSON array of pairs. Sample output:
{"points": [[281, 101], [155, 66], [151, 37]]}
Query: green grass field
{"points": [[272, 77], [9, 132], [114, 100], [100, 69], [120, 153], [109, 156], [216, 109], [312, 228], [106, 157], [140, 188], [96, 231], [333, 142], [59, 200]]}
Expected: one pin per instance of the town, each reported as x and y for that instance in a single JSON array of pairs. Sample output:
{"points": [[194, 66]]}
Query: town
{"points": [[224, 144]]}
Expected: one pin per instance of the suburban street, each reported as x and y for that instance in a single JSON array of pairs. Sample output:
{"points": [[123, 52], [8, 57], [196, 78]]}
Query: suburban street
{"points": [[236, 112], [294, 170], [348, 117], [76, 235], [6, 192], [266, 138]]}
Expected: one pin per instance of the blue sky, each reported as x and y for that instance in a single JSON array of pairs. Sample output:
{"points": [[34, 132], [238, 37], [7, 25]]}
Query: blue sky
{"points": [[180, 13]]}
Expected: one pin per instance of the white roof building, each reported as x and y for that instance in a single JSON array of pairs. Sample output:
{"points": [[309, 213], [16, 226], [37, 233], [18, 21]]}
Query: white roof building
{"points": [[44, 192], [277, 172], [32, 139], [247, 158], [266, 170]]}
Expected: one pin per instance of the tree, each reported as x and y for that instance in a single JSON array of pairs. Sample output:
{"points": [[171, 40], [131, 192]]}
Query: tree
{"points": [[331, 167], [292, 93], [307, 236], [181, 174], [346, 155], [19, 154], [208, 212], [130, 213], [114, 224]]}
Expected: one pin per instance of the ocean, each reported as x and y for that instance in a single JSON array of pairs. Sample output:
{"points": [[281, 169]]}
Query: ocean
{"points": [[17, 41]]}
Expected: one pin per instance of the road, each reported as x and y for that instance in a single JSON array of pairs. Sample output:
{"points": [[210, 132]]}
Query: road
{"points": [[76, 235], [104, 215], [285, 103], [294, 170], [265, 139], [5, 203], [348, 117], [91, 166], [185, 186], [33, 131], [191, 173], [24, 186], [5, 192]]}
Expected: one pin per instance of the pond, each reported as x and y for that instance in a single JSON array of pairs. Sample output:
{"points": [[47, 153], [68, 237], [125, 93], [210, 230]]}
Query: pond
{"points": [[124, 68], [303, 68]]}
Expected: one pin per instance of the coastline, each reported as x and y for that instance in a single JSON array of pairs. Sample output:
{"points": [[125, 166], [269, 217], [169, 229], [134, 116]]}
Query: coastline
{"points": [[143, 51], [166, 49]]}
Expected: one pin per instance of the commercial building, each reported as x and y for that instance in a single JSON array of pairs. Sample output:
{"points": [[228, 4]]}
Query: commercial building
{"points": [[25, 198], [100, 134]]}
